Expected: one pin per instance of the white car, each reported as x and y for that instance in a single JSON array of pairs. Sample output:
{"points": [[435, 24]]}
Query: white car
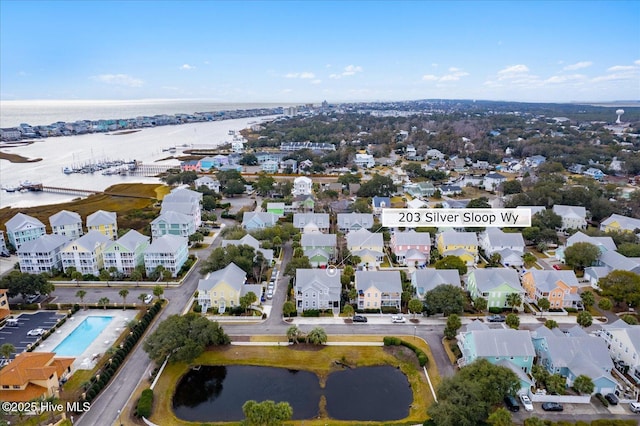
{"points": [[635, 407], [36, 332], [398, 318], [526, 402], [148, 299]]}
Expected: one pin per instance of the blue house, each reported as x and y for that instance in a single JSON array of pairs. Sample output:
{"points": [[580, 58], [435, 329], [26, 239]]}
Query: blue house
{"points": [[258, 220]]}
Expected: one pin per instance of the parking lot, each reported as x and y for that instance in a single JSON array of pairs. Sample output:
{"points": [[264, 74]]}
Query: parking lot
{"points": [[17, 335]]}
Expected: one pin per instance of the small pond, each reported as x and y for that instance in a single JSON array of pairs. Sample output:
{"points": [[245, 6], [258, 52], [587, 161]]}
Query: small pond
{"points": [[217, 393]]}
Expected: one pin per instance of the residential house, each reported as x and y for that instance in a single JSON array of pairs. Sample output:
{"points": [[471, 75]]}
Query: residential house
{"points": [[478, 341], [378, 289], [494, 284], [185, 201], [276, 208], [424, 280], [3, 245], [364, 161], [368, 246], [169, 251], [302, 185], [420, 189], [43, 254], [209, 183], [623, 341], [411, 248], [4, 305], [210, 162], [379, 203], [66, 223], [316, 289], [594, 173], [174, 223], [258, 220], [450, 190], [249, 240], [609, 261], [126, 252], [269, 166], [493, 181], [191, 166], [104, 222], [575, 353], [320, 220], [33, 376], [303, 203], [354, 221], [560, 288], [319, 248], [603, 243], [535, 161], [341, 206], [461, 244], [417, 203], [223, 289], [85, 253], [289, 165], [509, 245], [573, 217], [21, 228], [620, 223]]}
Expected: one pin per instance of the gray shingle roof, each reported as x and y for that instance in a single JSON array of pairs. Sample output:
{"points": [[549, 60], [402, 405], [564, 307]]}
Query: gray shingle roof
{"points": [[44, 244], [101, 217], [90, 240], [627, 223], [385, 281], [130, 240], [64, 217], [570, 211], [300, 220], [459, 238], [315, 239], [319, 279], [503, 343], [490, 278], [547, 280], [412, 238], [20, 220], [363, 237], [172, 216], [429, 278], [365, 220], [167, 243], [231, 274]]}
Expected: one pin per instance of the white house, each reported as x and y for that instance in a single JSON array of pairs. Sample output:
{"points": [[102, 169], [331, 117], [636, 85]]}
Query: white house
{"points": [[493, 181], [364, 161], [509, 245], [573, 217], [174, 223], [185, 201], [66, 223], [43, 254], [623, 341], [303, 220], [316, 289], [170, 251], [301, 186], [209, 183], [354, 221]]}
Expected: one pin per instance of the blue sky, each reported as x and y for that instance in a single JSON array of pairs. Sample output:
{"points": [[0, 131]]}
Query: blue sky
{"points": [[264, 51]]}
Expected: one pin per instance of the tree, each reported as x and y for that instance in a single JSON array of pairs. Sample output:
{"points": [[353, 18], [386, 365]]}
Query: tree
{"points": [[158, 291], [551, 324], [136, 276], [295, 264], [453, 325], [605, 304], [105, 275], [378, 185], [243, 256], [529, 259], [348, 178], [629, 319], [142, 296], [588, 299], [479, 203], [514, 300], [264, 184], [233, 187], [288, 308], [621, 286], [556, 384], [317, 336], [466, 398], [6, 350], [247, 300], [24, 284], [80, 294], [266, 413], [511, 187], [544, 304], [124, 293], [583, 384], [512, 320], [183, 338], [415, 306], [446, 299], [248, 159], [77, 276], [348, 310], [104, 301], [581, 255], [494, 260], [501, 416], [451, 262], [480, 304], [584, 319], [196, 237], [293, 333]]}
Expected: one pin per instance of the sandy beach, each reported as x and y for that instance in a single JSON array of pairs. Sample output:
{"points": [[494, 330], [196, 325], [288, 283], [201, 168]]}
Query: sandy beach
{"points": [[146, 145]]}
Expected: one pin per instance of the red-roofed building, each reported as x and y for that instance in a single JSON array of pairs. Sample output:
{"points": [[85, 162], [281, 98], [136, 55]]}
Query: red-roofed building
{"points": [[33, 375]]}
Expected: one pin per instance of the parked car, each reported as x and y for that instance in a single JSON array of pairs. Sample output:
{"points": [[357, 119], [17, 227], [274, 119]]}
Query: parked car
{"points": [[33, 298], [552, 406], [269, 294], [359, 318], [36, 332], [511, 403], [557, 267], [634, 407], [148, 299], [611, 398], [398, 318], [495, 318], [526, 402]]}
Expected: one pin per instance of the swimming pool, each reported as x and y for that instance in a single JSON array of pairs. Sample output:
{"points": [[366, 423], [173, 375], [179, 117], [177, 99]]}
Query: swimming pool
{"points": [[83, 335]]}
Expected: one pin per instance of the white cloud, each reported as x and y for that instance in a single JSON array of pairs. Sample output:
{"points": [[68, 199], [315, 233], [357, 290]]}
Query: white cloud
{"points": [[429, 77], [637, 62], [558, 79], [352, 69], [578, 65], [187, 67], [616, 68], [513, 71], [454, 75], [316, 81], [118, 80], [301, 75]]}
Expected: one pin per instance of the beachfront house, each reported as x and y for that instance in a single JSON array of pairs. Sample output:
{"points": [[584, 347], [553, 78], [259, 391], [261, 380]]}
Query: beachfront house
{"points": [[66, 223], [258, 220], [21, 228], [461, 244], [85, 253], [424, 280], [174, 223], [43, 254], [354, 221], [378, 289], [319, 248], [319, 220], [223, 289], [169, 251], [316, 289], [126, 252], [560, 288], [185, 201], [411, 248], [494, 285], [368, 246], [573, 217], [33, 376], [103, 222]]}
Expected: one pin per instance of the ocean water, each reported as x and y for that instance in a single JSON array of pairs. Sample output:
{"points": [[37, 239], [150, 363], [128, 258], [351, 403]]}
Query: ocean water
{"points": [[146, 145]]}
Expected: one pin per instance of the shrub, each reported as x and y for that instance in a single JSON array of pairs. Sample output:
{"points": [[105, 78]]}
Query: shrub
{"points": [[197, 309], [311, 313], [391, 341], [601, 398], [495, 310], [145, 403], [423, 359], [571, 310]]}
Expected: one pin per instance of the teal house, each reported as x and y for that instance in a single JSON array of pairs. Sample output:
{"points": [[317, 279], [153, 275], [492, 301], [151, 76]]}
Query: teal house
{"points": [[494, 284]]}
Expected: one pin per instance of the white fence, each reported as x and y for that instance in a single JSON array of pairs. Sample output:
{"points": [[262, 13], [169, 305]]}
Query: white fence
{"points": [[563, 399]]}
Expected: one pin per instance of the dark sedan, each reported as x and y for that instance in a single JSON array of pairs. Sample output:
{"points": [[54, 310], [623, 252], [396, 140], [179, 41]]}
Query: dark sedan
{"points": [[552, 406], [359, 318]]}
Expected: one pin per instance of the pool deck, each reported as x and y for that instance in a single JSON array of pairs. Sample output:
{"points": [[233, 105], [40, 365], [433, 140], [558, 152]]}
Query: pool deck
{"points": [[87, 360]]}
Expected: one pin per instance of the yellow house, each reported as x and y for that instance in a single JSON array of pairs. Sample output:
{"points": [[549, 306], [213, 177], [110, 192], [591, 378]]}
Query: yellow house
{"points": [[4, 304], [461, 244], [368, 246], [619, 223], [33, 375], [104, 222], [223, 289]]}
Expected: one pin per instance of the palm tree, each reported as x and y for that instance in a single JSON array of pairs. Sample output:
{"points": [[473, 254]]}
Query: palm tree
{"points": [[317, 336], [104, 301], [80, 294], [6, 350], [514, 300], [142, 297], [293, 333], [124, 293], [136, 275]]}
